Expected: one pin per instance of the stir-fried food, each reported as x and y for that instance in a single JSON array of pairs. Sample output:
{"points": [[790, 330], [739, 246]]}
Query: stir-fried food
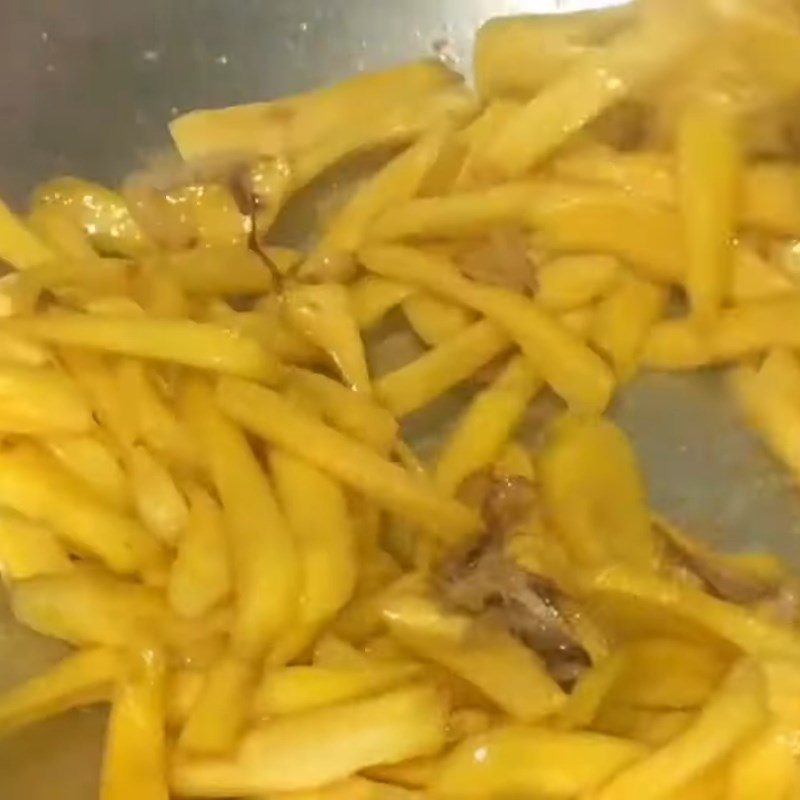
{"points": [[206, 486]]}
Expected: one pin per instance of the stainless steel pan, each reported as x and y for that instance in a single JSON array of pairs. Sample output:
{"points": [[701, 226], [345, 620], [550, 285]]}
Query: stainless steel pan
{"points": [[87, 86]]}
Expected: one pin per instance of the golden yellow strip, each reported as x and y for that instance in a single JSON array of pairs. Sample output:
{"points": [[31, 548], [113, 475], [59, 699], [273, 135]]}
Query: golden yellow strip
{"points": [[574, 371], [158, 426], [220, 270], [193, 344], [135, 759], [324, 315], [372, 298], [478, 133], [592, 85], [93, 374], [591, 692], [401, 123], [262, 545], [88, 606], [221, 711], [768, 37], [614, 223], [670, 673], [770, 192], [351, 412], [200, 577], [740, 331], [756, 277], [507, 673], [81, 679], [19, 246], [24, 352], [737, 709], [516, 761], [270, 416], [293, 690], [415, 385], [457, 216], [771, 198], [34, 485], [101, 214], [158, 293], [296, 123], [92, 460], [710, 165], [212, 210], [623, 321], [29, 549], [649, 175], [41, 401], [326, 543], [765, 767], [160, 504], [397, 181], [267, 325], [770, 399], [739, 626], [518, 56], [433, 320], [594, 495], [344, 740], [487, 425], [568, 217], [571, 282]]}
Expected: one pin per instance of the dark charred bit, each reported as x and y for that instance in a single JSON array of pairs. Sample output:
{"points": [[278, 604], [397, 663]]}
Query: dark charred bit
{"points": [[6, 267], [567, 666], [256, 204], [256, 243], [488, 374], [503, 501], [486, 583], [784, 605], [502, 259], [624, 127], [475, 488], [240, 184], [724, 582], [722, 578], [776, 596], [510, 501], [718, 578], [792, 129]]}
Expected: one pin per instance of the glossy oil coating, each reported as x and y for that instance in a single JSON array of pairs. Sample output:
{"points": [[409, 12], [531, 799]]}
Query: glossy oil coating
{"points": [[88, 87]]}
